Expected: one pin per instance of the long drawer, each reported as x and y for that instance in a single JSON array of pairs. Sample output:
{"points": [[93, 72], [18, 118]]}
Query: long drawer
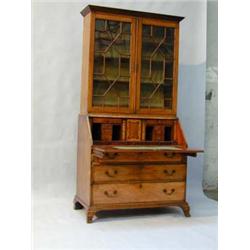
{"points": [[135, 157], [138, 192], [170, 172]]}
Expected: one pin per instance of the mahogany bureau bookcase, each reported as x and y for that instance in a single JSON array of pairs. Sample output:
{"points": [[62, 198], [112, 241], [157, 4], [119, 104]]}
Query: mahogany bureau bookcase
{"points": [[132, 151]]}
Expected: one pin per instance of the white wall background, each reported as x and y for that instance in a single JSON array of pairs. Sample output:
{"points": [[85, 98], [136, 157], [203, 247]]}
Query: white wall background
{"points": [[210, 174], [57, 40]]}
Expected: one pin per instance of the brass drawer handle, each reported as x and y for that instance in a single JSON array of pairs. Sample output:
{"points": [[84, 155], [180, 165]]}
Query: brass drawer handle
{"points": [[169, 155], [165, 191], [111, 175], [111, 155], [114, 194], [169, 173]]}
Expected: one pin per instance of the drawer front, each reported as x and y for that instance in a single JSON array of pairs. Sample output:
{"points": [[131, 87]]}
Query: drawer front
{"points": [[136, 157], [138, 192], [139, 173]]}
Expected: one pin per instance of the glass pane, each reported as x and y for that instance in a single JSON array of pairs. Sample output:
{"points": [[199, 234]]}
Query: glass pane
{"points": [[111, 64], [157, 67]]}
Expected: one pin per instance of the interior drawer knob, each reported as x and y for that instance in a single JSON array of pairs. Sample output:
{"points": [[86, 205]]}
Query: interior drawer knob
{"points": [[169, 172], [165, 191], [111, 174], [111, 194]]}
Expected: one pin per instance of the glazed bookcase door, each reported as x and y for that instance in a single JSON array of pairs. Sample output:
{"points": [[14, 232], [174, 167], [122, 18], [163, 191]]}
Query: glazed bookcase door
{"points": [[113, 64], [157, 67]]}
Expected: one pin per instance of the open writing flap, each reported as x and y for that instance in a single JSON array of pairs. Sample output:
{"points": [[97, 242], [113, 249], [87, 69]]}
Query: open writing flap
{"points": [[144, 149]]}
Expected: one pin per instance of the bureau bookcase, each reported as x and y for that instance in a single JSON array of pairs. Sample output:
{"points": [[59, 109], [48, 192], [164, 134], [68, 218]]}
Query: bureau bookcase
{"points": [[132, 152]]}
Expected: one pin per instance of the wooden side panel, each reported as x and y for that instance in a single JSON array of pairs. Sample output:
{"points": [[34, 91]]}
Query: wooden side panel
{"points": [[180, 138], [84, 159], [85, 64]]}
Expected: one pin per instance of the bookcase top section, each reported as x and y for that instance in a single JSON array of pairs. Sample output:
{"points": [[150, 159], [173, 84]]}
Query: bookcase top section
{"points": [[90, 8]]}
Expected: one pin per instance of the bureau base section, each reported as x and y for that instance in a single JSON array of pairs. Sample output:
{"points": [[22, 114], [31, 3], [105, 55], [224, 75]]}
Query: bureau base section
{"points": [[92, 210]]}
